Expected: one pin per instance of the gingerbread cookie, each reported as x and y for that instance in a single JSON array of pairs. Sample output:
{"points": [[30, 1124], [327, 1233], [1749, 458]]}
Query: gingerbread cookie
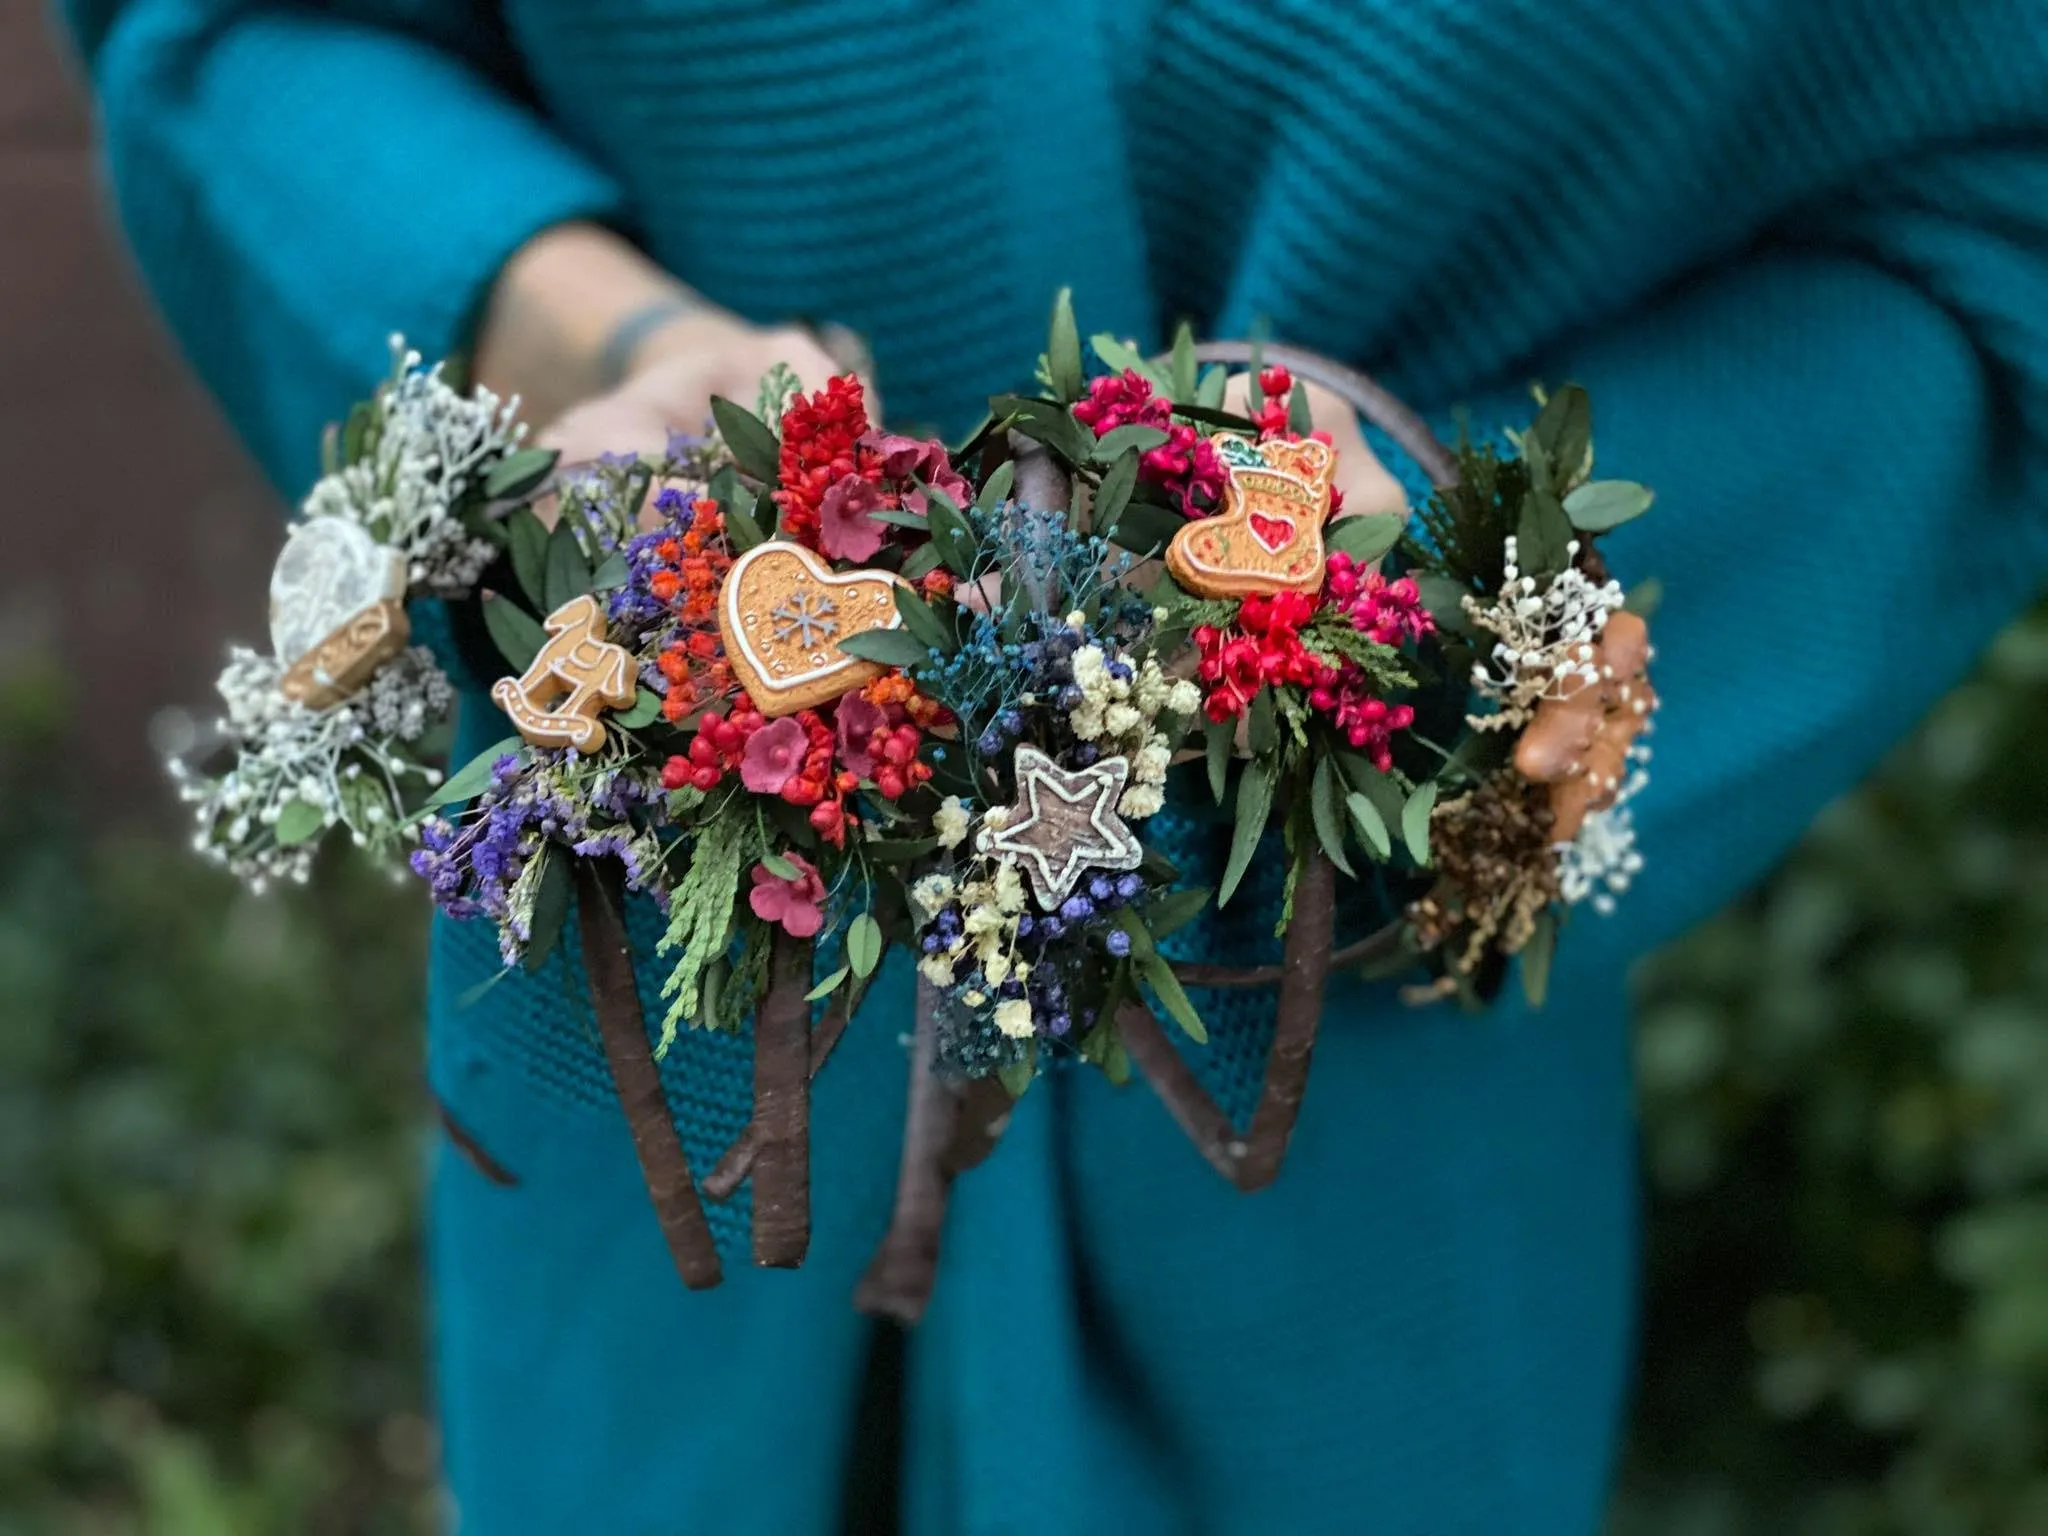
{"points": [[555, 702], [782, 614], [335, 609], [1579, 743], [1269, 536], [1065, 823]]}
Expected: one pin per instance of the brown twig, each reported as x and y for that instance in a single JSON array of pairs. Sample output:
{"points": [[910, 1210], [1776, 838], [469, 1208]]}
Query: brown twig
{"points": [[723, 1181], [615, 996], [782, 1108], [898, 1282], [1252, 1161], [1377, 945]]}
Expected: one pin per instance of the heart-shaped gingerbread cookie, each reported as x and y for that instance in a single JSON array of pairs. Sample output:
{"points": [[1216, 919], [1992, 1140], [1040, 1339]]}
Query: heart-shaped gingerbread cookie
{"points": [[782, 614], [1269, 536]]}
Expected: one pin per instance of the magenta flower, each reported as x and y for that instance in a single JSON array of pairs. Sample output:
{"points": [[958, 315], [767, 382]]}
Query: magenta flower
{"points": [[792, 903], [856, 724], [774, 754], [845, 531]]}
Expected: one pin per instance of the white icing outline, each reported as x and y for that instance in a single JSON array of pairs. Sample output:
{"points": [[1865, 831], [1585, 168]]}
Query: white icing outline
{"points": [[1105, 780], [732, 621]]}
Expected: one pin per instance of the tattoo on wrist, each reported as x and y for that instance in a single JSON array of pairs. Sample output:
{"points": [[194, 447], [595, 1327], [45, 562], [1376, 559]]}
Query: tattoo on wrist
{"points": [[616, 357]]}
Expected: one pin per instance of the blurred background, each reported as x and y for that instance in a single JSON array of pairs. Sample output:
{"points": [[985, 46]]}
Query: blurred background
{"points": [[212, 1121]]}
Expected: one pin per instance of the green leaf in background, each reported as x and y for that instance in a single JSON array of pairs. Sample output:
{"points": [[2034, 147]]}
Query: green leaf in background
{"points": [[828, 986], [1114, 494], [1213, 416], [1219, 736], [780, 867], [891, 647], [1563, 434], [898, 850], [1366, 536], [1262, 727], [1063, 349], [355, 431], [519, 474], [1599, 505], [864, 944], [568, 574], [526, 536], [1120, 356], [611, 573], [1444, 597], [1254, 803], [1325, 809], [1415, 822], [1210, 389], [518, 634], [1119, 440], [468, 781], [1016, 1076], [550, 907], [643, 711], [1644, 598], [1145, 529], [921, 562], [1182, 370], [1371, 823], [1049, 423], [297, 820], [1536, 955], [996, 488], [950, 532], [1175, 909], [1166, 987], [1541, 536], [754, 447], [741, 531], [1300, 415], [924, 624]]}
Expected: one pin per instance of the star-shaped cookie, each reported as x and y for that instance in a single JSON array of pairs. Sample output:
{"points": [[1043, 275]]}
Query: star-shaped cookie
{"points": [[1065, 822]]}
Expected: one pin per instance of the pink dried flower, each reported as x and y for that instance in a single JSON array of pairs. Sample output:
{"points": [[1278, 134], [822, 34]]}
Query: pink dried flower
{"points": [[773, 756], [792, 903], [904, 461], [845, 531], [855, 725]]}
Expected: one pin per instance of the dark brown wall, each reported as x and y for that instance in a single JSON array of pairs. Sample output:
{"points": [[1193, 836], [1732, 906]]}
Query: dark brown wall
{"points": [[136, 538]]}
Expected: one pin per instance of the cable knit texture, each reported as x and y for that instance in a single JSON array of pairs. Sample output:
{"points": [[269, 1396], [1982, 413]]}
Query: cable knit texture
{"points": [[1798, 252]]}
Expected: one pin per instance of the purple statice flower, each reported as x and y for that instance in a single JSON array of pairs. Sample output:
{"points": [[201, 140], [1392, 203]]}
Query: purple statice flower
{"points": [[634, 606]]}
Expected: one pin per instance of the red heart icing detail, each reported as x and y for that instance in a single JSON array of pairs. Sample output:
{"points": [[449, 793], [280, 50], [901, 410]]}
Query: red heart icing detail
{"points": [[1276, 533]]}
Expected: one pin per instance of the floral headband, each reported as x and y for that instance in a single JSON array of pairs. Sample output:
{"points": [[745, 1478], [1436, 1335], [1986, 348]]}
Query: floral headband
{"points": [[821, 691]]}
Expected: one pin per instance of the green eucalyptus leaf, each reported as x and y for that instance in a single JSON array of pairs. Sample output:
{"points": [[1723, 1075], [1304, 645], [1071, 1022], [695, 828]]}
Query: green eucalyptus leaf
{"points": [[468, 781], [1144, 528], [1254, 803], [1536, 957], [1119, 440], [1211, 388], [997, 487], [1325, 808], [1215, 417], [1599, 505], [1262, 731], [612, 572], [1367, 536], [517, 633], [1370, 823], [519, 474], [1300, 416], [1063, 348], [550, 908], [1017, 1076], [1415, 822], [297, 821], [526, 538], [1167, 988], [1114, 494], [864, 944], [753, 446], [891, 647], [568, 573], [741, 531], [1048, 422], [1182, 368], [1563, 434], [1644, 598], [897, 850], [1120, 356], [1444, 597], [828, 986], [644, 710], [1176, 909], [1221, 736], [921, 562], [1541, 536], [923, 623]]}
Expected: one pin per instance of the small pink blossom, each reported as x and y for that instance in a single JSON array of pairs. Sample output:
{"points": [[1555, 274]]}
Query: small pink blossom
{"points": [[774, 754], [845, 531], [855, 725], [792, 903], [1121, 400], [905, 461]]}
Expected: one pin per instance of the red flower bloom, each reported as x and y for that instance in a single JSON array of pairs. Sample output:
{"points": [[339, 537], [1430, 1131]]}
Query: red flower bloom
{"points": [[819, 433]]}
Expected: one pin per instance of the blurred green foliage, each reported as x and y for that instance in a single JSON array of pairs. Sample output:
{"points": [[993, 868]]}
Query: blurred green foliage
{"points": [[211, 1145], [211, 1152], [1845, 1102]]}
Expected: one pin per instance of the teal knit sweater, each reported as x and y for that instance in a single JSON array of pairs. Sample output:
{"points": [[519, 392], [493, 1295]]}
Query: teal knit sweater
{"points": [[1799, 252]]}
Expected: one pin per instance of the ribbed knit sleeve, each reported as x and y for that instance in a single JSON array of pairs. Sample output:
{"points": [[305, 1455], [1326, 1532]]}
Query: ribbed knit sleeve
{"points": [[1848, 431], [299, 185]]}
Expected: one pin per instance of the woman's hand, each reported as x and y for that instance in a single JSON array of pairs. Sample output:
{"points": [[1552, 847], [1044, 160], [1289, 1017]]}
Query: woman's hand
{"points": [[672, 378]]}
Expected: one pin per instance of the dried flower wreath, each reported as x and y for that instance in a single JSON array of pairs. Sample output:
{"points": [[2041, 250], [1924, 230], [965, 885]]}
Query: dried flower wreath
{"points": [[820, 690]]}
